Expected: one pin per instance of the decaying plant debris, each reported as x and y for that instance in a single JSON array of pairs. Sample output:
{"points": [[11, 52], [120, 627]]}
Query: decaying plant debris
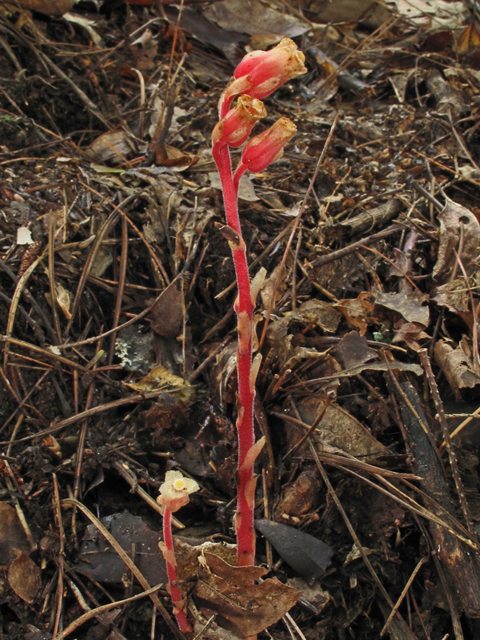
{"points": [[118, 336]]}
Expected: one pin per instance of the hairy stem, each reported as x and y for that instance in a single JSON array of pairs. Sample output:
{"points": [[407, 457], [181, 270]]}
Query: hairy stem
{"points": [[246, 391], [178, 602]]}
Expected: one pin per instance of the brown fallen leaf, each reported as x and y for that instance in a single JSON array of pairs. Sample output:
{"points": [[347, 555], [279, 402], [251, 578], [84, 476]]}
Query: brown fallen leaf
{"points": [[160, 377], [48, 7], [300, 496], [168, 156], [240, 606], [456, 222], [457, 365], [99, 561], [353, 350], [410, 333], [469, 39], [337, 430], [454, 295], [24, 578], [411, 305], [114, 147], [167, 314], [317, 312], [358, 311], [447, 97], [13, 540]]}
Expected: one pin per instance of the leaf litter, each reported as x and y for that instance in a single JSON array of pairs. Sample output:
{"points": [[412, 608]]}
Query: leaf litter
{"points": [[118, 336]]}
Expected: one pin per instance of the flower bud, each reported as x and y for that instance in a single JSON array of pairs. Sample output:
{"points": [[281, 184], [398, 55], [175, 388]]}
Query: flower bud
{"points": [[175, 490], [235, 128], [267, 70], [267, 147]]}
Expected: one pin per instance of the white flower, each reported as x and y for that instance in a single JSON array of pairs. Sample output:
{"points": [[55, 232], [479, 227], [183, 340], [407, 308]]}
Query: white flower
{"points": [[175, 490]]}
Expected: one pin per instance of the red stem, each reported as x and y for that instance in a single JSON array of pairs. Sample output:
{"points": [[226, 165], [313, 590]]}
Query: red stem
{"points": [[240, 170], [246, 393], [175, 594]]}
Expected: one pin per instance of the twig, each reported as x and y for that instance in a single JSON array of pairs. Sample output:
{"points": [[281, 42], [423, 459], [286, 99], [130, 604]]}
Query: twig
{"points": [[452, 456]]}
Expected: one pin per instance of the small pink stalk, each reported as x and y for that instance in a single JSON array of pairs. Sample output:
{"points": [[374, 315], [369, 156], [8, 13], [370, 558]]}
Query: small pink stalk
{"points": [[257, 75], [174, 494]]}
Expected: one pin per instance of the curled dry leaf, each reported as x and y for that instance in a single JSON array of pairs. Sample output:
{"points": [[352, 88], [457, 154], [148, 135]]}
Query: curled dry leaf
{"points": [[300, 496], [448, 97], [317, 312], [457, 222], [358, 311], [240, 606], [457, 365], [454, 295], [410, 332], [160, 377]]}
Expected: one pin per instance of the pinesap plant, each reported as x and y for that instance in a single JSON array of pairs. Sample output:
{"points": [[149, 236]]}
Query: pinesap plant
{"points": [[256, 77]]}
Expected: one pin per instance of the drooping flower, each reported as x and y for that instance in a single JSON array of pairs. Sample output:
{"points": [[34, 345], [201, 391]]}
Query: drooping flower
{"points": [[261, 72], [235, 128], [175, 491], [268, 146]]}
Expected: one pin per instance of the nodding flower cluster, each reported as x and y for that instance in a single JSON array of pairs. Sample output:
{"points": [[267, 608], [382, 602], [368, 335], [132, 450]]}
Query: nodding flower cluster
{"points": [[256, 77]]}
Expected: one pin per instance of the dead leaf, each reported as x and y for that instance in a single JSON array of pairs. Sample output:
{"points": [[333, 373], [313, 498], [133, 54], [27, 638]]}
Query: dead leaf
{"points": [[240, 606], [353, 350], [337, 430], [24, 578], [469, 39], [261, 18], [340, 275], [187, 553], [456, 220], [167, 314], [411, 305], [161, 378], [63, 300], [308, 556], [168, 156], [246, 189], [454, 295], [370, 12], [358, 311], [47, 7], [321, 313], [301, 496], [99, 561], [457, 365], [448, 97], [268, 288], [13, 540], [316, 597], [410, 332], [113, 146]]}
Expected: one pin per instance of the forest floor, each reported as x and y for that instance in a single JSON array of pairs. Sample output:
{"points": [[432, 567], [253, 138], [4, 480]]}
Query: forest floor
{"points": [[118, 336]]}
